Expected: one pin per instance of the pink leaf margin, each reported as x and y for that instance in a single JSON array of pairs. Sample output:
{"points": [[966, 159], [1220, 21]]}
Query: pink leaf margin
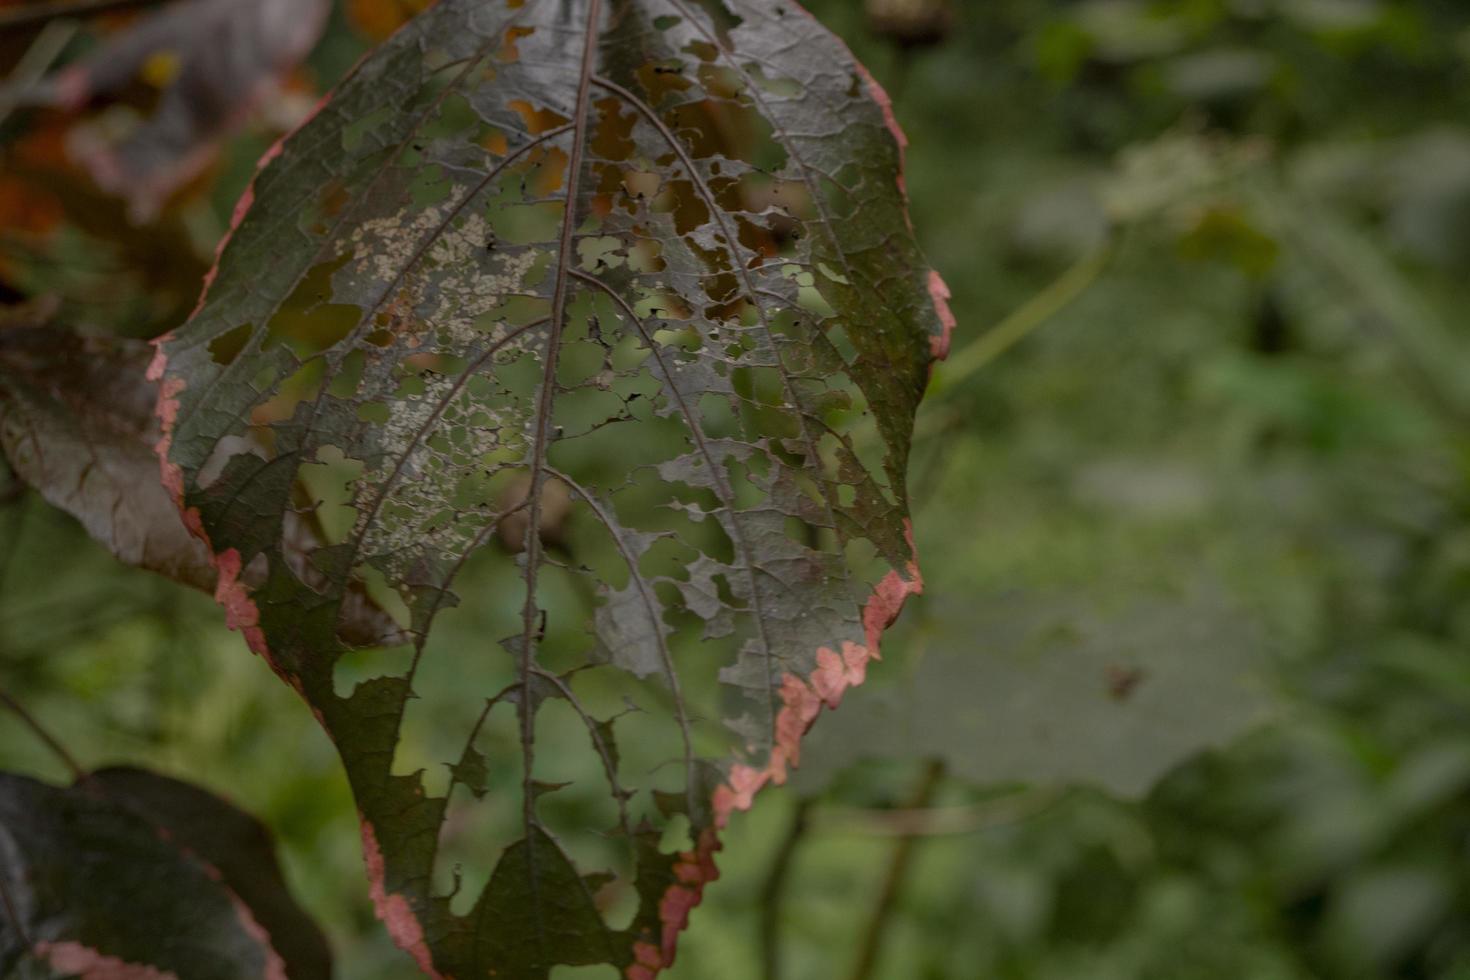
{"points": [[75, 959], [836, 671], [803, 700], [393, 909]]}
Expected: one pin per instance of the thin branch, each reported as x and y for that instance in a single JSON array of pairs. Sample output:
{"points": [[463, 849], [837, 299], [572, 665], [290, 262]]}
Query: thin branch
{"points": [[609, 767], [41, 733], [773, 892], [723, 491], [39, 13], [681, 712], [35, 63], [717, 213], [941, 821], [898, 868]]}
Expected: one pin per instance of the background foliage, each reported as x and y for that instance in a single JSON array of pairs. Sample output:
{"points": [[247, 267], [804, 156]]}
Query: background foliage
{"points": [[1191, 503]]}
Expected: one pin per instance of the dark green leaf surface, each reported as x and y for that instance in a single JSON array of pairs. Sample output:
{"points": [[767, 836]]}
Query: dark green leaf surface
{"points": [[92, 887], [546, 282]]}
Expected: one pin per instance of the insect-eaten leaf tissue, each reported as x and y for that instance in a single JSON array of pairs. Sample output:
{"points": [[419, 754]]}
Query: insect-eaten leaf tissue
{"points": [[617, 302]]}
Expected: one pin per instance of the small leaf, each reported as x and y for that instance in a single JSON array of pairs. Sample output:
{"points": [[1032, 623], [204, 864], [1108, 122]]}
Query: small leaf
{"points": [[94, 886], [617, 303]]}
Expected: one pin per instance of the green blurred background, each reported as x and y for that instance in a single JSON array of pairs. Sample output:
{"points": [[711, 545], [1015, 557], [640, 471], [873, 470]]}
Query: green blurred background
{"points": [[1188, 695]]}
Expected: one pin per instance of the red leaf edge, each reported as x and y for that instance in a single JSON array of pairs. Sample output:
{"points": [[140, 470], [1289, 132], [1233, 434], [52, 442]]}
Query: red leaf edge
{"points": [[803, 701], [938, 291]]}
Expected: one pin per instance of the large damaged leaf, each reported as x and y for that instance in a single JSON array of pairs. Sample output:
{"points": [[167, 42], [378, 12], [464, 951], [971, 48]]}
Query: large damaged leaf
{"points": [[129, 875], [598, 330]]}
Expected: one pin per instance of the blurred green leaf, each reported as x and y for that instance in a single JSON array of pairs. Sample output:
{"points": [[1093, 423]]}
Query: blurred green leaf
{"points": [[1054, 690]]}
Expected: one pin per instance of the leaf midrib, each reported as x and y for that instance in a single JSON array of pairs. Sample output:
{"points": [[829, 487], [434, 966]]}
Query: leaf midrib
{"points": [[546, 401]]}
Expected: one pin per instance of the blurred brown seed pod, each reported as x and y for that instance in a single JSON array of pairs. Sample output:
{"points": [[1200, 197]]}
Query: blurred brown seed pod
{"points": [[556, 506], [911, 23]]}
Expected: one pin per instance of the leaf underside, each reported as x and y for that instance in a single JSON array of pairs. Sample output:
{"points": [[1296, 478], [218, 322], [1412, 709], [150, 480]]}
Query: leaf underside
{"points": [[598, 305]]}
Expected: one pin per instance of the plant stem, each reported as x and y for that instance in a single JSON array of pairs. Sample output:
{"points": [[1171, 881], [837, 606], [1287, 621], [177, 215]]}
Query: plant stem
{"points": [[41, 733], [78, 773], [773, 892], [938, 821], [898, 869], [1020, 323]]}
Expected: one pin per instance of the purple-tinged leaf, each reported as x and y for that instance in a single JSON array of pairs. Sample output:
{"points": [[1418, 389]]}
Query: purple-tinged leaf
{"points": [[108, 880], [237, 846], [646, 258], [77, 425]]}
